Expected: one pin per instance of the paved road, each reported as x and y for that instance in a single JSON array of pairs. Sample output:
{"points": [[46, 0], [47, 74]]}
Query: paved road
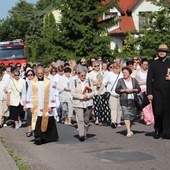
{"points": [[105, 148]]}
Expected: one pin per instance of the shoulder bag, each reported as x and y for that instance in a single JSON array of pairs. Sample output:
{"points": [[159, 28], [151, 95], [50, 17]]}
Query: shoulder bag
{"points": [[106, 95]]}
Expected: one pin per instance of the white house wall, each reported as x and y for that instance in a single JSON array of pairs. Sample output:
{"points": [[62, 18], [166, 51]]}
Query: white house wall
{"points": [[146, 6], [142, 6]]}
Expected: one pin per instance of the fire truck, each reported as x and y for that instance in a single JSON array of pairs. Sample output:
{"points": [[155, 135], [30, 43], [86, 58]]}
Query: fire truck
{"points": [[12, 52]]}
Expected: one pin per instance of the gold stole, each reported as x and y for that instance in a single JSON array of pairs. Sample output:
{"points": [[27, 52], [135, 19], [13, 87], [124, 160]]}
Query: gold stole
{"points": [[35, 103]]}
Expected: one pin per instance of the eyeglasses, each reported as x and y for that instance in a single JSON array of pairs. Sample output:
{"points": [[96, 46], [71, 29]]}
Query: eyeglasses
{"points": [[135, 59], [16, 75], [83, 75], [29, 75], [96, 66]]}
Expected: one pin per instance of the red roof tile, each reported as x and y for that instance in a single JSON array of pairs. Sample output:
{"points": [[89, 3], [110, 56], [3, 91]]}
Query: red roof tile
{"points": [[124, 5], [105, 1], [126, 24]]}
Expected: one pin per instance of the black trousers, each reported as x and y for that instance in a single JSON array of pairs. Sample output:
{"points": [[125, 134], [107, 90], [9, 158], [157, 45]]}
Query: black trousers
{"points": [[158, 110]]}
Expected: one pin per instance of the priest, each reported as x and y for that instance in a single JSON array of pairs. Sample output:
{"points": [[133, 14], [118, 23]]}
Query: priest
{"points": [[41, 102]]}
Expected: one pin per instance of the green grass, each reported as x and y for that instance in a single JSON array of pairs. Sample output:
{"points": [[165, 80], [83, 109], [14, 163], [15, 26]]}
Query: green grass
{"points": [[17, 160]]}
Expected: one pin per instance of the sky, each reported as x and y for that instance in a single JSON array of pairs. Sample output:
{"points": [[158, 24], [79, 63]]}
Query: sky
{"points": [[6, 5]]}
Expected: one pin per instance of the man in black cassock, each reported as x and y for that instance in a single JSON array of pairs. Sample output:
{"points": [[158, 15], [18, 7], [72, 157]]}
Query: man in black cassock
{"points": [[158, 91]]}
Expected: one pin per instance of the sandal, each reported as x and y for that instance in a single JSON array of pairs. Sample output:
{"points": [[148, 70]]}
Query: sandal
{"points": [[29, 134]]}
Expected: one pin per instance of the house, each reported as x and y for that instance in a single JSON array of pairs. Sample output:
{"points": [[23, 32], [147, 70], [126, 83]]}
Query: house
{"points": [[129, 12], [48, 10]]}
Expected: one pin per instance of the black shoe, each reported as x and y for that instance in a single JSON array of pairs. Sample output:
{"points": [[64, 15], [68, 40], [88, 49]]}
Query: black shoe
{"points": [[0, 126], [157, 134], [81, 138], [38, 141], [113, 125]]}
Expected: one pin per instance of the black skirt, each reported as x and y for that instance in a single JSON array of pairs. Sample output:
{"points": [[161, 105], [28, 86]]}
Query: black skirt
{"points": [[102, 110], [16, 111], [51, 134]]}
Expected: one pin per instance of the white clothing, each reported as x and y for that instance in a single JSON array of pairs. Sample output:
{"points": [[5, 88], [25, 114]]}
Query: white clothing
{"points": [[3, 86], [15, 88], [40, 96], [129, 86], [95, 77], [142, 78], [109, 80], [64, 82]]}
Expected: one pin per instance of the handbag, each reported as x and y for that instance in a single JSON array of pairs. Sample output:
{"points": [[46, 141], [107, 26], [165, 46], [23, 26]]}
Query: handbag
{"points": [[106, 95], [65, 107], [141, 101]]}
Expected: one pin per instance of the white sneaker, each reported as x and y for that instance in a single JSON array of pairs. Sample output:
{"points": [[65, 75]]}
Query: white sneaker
{"points": [[4, 125], [19, 123], [57, 119], [17, 127]]}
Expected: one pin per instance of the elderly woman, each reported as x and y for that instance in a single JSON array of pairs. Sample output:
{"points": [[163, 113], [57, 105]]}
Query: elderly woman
{"points": [[29, 76], [101, 109], [14, 100], [82, 92], [110, 81], [147, 112], [128, 88]]}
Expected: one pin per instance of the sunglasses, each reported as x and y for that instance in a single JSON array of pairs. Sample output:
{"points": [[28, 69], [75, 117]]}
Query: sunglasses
{"points": [[83, 75], [135, 59], [111, 67], [29, 75], [16, 75], [96, 66], [83, 62]]}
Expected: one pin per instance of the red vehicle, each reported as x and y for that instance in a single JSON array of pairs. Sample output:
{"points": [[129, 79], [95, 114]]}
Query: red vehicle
{"points": [[12, 52]]}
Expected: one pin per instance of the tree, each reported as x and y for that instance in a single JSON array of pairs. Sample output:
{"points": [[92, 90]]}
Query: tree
{"points": [[82, 32], [129, 49], [42, 4], [16, 25], [46, 46], [156, 32]]}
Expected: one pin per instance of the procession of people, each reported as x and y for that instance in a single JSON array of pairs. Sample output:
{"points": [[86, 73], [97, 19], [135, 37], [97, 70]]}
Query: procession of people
{"points": [[102, 91]]}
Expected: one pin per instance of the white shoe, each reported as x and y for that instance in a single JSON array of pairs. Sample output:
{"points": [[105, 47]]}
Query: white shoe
{"points": [[17, 127], [19, 123], [57, 119], [4, 125]]}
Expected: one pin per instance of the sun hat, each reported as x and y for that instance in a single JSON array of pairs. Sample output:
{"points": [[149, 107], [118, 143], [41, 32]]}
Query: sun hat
{"points": [[163, 47]]}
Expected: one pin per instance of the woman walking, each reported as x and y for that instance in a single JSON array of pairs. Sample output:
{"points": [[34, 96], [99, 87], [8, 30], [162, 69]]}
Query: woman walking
{"points": [[82, 102], [128, 88], [14, 100]]}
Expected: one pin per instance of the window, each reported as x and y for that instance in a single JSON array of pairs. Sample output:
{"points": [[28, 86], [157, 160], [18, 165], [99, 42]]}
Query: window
{"points": [[111, 15], [143, 20]]}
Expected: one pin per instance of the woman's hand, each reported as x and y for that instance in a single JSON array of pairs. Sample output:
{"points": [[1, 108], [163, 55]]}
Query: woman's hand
{"points": [[99, 93], [8, 103], [49, 109], [85, 97], [150, 97], [167, 77], [135, 90], [31, 110]]}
